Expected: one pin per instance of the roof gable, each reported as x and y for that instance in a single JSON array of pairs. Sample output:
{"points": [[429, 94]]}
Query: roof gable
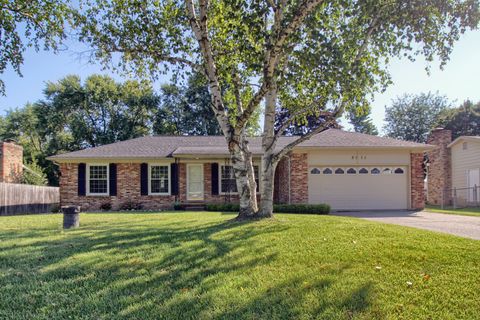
{"points": [[464, 138]]}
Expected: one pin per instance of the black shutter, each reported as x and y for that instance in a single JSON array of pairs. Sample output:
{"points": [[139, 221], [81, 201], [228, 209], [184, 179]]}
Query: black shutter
{"points": [[113, 178], [174, 179], [82, 179], [144, 179], [214, 178]]}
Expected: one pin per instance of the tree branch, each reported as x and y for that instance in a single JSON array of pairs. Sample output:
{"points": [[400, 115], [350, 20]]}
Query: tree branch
{"points": [[161, 57], [273, 52], [201, 34]]}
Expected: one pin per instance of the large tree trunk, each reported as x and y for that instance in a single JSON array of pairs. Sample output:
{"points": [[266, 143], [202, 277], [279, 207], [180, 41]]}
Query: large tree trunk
{"points": [[267, 179], [242, 163], [269, 161]]}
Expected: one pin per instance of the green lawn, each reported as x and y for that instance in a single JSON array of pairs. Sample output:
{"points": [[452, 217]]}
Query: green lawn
{"points": [[464, 211], [204, 266]]}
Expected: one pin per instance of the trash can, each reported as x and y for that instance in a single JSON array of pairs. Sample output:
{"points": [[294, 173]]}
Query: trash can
{"points": [[71, 217]]}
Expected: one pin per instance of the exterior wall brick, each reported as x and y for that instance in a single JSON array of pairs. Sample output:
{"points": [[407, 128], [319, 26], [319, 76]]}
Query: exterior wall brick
{"points": [[439, 170], [282, 181], [128, 189], [11, 162], [417, 192], [299, 178]]}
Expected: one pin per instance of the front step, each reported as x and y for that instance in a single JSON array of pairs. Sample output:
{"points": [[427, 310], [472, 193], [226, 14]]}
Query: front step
{"points": [[193, 206]]}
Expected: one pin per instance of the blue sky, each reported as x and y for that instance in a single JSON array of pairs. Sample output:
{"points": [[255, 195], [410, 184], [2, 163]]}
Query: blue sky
{"points": [[459, 80]]}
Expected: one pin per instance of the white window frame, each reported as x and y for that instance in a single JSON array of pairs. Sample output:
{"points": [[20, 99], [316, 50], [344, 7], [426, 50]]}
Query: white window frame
{"points": [[150, 193], [88, 179], [221, 192]]}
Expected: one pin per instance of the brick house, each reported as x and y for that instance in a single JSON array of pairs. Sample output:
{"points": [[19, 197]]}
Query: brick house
{"points": [[349, 171], [11, 162]]}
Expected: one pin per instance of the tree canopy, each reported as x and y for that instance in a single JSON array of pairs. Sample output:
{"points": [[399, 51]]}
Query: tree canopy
{"points": [[463, 121], [37, 24], [361, 122], [412, 117]]}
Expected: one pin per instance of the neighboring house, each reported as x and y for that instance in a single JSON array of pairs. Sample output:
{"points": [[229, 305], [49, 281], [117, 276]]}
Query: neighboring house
{"points": [[454, 168], [11, 162], [349, 171]]}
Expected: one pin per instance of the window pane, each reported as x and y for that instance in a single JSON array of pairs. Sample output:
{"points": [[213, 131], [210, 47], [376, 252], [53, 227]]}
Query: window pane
{"points": [[351, 171], [363, 171], [387, 171], [98, 172], [375, 171], [159, 186], [159, 172], [339, 171], [98, 186], [315, 171], [327, 171], [399, 171]]}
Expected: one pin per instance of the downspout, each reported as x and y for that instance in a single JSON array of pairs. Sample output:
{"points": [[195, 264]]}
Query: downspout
{"points": [[177, 161], [289, 181]]}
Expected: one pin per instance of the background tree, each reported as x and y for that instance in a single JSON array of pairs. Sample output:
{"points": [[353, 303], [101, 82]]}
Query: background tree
{"points": [[411, 117], [30, 24], [310, 57], [33, 174], [186, 110], [76, 115], [463, 121], [361, 122]]}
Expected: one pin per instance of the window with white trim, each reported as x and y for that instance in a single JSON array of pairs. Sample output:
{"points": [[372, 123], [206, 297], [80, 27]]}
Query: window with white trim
{"points": [[159, 179], [228, 184], [97, 176]]}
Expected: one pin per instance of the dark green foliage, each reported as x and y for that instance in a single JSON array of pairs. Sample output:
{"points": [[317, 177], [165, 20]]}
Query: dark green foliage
{"points": [[411, 117], [361, 122], [463, 121], [38, 24], [302, 208], [277, 208], [106, 206], [76, 115], [186, 110], [131, 205]]}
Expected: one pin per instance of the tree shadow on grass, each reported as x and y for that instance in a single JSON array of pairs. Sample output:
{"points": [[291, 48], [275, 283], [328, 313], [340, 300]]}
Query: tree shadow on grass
{"points": [[167, 270]]}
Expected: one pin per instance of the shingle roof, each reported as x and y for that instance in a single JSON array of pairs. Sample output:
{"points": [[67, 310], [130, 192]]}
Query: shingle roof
{"points": [[169, 146]]}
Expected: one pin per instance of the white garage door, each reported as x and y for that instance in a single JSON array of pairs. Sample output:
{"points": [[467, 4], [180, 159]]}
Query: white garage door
{"points": [[359, 188]]}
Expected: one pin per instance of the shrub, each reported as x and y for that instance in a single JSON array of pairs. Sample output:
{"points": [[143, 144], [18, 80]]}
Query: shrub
{"points": [[131, 205], [55, 208], [106, 206], [277, 208], [178, 206], [302, 208]]}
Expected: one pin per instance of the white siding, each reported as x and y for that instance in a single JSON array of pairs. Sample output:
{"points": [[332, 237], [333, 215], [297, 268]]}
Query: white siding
{"points": [[463, 160]]}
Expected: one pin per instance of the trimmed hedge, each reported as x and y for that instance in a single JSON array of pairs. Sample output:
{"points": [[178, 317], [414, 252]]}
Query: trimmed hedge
{"points": [[277, 208]]}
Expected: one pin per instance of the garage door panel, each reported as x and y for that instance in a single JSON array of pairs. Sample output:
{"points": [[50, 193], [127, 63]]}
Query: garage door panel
{"points": [[360, 191]]}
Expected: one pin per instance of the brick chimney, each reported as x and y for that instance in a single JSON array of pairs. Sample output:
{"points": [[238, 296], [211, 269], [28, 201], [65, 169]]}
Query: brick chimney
{"points": [[439, 169], [11, 162]]}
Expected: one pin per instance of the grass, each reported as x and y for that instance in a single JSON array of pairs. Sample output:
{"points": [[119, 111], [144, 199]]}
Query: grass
{"points": [[205, 266], [474, 212]]}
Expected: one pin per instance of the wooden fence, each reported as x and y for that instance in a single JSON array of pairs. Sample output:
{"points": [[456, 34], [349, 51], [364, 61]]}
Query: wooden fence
{"points": [[24, 198]]}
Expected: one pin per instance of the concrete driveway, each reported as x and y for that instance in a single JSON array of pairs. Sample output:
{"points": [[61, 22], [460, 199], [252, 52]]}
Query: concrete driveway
{"points": [[463, 226]]}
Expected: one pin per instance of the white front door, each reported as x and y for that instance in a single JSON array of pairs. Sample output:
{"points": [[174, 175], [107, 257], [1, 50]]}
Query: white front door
{"points": [[194, 181], [473, 177]]}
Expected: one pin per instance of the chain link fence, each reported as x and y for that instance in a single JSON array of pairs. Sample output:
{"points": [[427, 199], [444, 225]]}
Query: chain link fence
{"points": [[458, 198]]}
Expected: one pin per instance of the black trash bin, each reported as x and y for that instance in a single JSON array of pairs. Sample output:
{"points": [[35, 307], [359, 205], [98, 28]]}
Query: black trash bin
{"points": [[71, 217]]}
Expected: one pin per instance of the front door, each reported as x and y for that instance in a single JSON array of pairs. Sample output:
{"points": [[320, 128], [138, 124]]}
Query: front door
{"points": [[194, 182]]}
